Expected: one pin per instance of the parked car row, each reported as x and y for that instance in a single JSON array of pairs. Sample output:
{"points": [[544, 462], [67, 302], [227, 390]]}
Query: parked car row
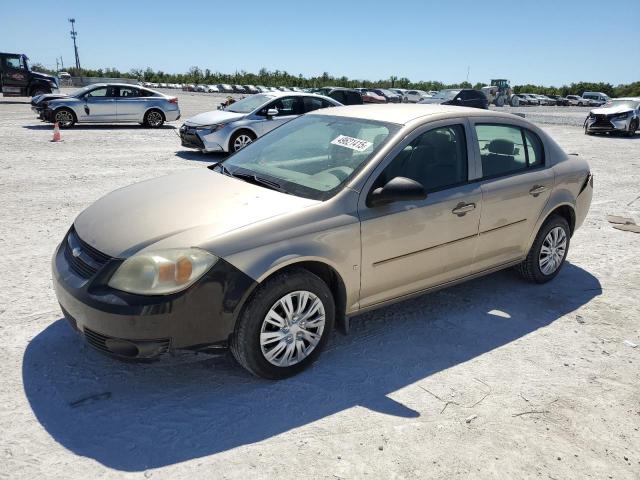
{"points": [[588, 99]]}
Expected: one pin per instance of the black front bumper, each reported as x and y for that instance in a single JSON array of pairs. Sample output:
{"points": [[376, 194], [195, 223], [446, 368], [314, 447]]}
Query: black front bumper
{"points": [[140, 326], [190, 139]]}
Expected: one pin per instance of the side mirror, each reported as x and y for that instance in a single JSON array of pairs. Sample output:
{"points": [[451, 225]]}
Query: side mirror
{"points": [[272, 112], [398, 189]]}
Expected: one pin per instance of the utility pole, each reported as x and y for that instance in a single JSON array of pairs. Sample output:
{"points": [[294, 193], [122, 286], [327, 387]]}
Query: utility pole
{"points": [[74, 34]]}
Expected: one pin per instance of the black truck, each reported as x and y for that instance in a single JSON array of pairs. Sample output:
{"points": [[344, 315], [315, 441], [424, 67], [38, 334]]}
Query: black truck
{"points": [[18, 80]]}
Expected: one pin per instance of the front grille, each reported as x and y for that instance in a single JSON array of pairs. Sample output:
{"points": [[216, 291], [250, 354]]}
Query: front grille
{"points": [[82, 257], [601, 121]]}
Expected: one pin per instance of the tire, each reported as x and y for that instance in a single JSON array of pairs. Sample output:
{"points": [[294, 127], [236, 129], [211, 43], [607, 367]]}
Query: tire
{"points": [[253, 326], [580, 104], [500, 101], [39, 92], [633, 126], [533, 268], [515, 101], [64, 117], [241, 139], [154, 118]]}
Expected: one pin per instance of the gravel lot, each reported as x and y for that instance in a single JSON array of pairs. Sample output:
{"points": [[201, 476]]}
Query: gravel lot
{"points": [[495, 378]]}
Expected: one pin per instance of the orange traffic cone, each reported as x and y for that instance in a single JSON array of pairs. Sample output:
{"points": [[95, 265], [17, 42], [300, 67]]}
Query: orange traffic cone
{"points": [[56, 133]]}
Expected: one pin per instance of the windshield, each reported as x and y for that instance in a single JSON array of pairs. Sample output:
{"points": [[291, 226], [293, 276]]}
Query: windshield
{"points": [[249, 104], [312, 156], [446, 94], [78, 93], [630, 104]]}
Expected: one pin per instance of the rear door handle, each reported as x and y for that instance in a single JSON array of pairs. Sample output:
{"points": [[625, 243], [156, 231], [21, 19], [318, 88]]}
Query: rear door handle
{"points": [[462, 208], [537, 190]]}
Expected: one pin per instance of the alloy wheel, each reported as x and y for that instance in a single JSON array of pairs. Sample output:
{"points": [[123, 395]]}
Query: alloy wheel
{"points": [[552, 251], [154, 118], [64, 118], [292, 328], [241, 141]]}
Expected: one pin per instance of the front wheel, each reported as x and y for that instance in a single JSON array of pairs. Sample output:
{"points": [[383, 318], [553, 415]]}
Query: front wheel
{"points": [[154, 119], [548, 252], [633, 126], [240, 140], [64, 117], [285, 325]]}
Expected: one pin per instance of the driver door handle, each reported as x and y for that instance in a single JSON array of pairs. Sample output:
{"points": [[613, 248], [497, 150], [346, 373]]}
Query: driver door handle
{"points": [[462, 208], [537, 190]]}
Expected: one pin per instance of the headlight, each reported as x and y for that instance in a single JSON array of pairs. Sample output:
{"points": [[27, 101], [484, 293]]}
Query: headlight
{"points": [[162, 272], [620, 116], [207, 129]]}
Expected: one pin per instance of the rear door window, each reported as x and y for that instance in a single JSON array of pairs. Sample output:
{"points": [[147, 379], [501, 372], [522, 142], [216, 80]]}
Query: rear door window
{"points": [[129, 92], [313, 103], [507, 149]]}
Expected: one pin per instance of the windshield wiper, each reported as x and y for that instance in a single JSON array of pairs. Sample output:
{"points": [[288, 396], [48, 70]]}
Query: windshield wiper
{"points": [[251, 178], [263, 182]]}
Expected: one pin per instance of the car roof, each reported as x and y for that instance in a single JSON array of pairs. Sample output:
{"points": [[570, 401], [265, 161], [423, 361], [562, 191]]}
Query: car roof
{"points": [[403, 113]]}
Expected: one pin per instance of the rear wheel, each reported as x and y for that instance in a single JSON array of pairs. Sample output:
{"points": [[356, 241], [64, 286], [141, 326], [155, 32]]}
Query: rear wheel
{"points": [[64, 117], [285, 325], [154, 119], [39, 92], [548, 252]]}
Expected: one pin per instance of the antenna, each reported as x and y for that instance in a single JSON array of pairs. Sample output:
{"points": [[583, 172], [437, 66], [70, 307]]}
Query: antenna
{"points": [[74, 34]]}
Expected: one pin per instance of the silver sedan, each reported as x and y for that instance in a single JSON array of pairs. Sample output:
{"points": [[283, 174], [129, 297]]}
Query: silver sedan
{"points": [[113, 103], [242, 122]]}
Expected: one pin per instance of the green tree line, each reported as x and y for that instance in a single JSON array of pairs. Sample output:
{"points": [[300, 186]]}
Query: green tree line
{"points": [[276, 78]]}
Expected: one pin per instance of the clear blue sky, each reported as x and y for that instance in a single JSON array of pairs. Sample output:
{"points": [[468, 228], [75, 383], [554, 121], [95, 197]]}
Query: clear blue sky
{"points": [[546, 42]]}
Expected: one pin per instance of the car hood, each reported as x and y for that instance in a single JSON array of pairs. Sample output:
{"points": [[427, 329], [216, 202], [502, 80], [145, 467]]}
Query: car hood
{"points": [[211, 118], [44, 76], [610, 110], [179, 210], [47, 97]]}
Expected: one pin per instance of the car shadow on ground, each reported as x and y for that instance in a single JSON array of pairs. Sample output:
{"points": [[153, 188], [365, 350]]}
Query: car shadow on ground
{"points": [[15, 102], [99, 126], [198, 156], [133, 417]]}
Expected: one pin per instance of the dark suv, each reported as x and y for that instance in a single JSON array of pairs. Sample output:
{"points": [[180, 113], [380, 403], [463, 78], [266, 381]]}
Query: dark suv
{"points": [[465, 97], [345, 96], [17, 79]]}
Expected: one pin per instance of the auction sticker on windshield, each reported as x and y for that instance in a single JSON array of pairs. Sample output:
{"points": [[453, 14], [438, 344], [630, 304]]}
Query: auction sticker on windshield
{"points": [[352, 143]]}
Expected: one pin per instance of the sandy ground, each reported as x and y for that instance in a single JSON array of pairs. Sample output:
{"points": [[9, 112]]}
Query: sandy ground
{"points": [[495, 378]]}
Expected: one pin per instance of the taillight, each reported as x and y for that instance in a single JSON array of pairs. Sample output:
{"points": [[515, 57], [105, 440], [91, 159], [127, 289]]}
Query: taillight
{"points": [[173, 100]]}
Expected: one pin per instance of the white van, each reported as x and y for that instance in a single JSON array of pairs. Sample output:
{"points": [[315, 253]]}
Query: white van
{"points": [[596, 98]]}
